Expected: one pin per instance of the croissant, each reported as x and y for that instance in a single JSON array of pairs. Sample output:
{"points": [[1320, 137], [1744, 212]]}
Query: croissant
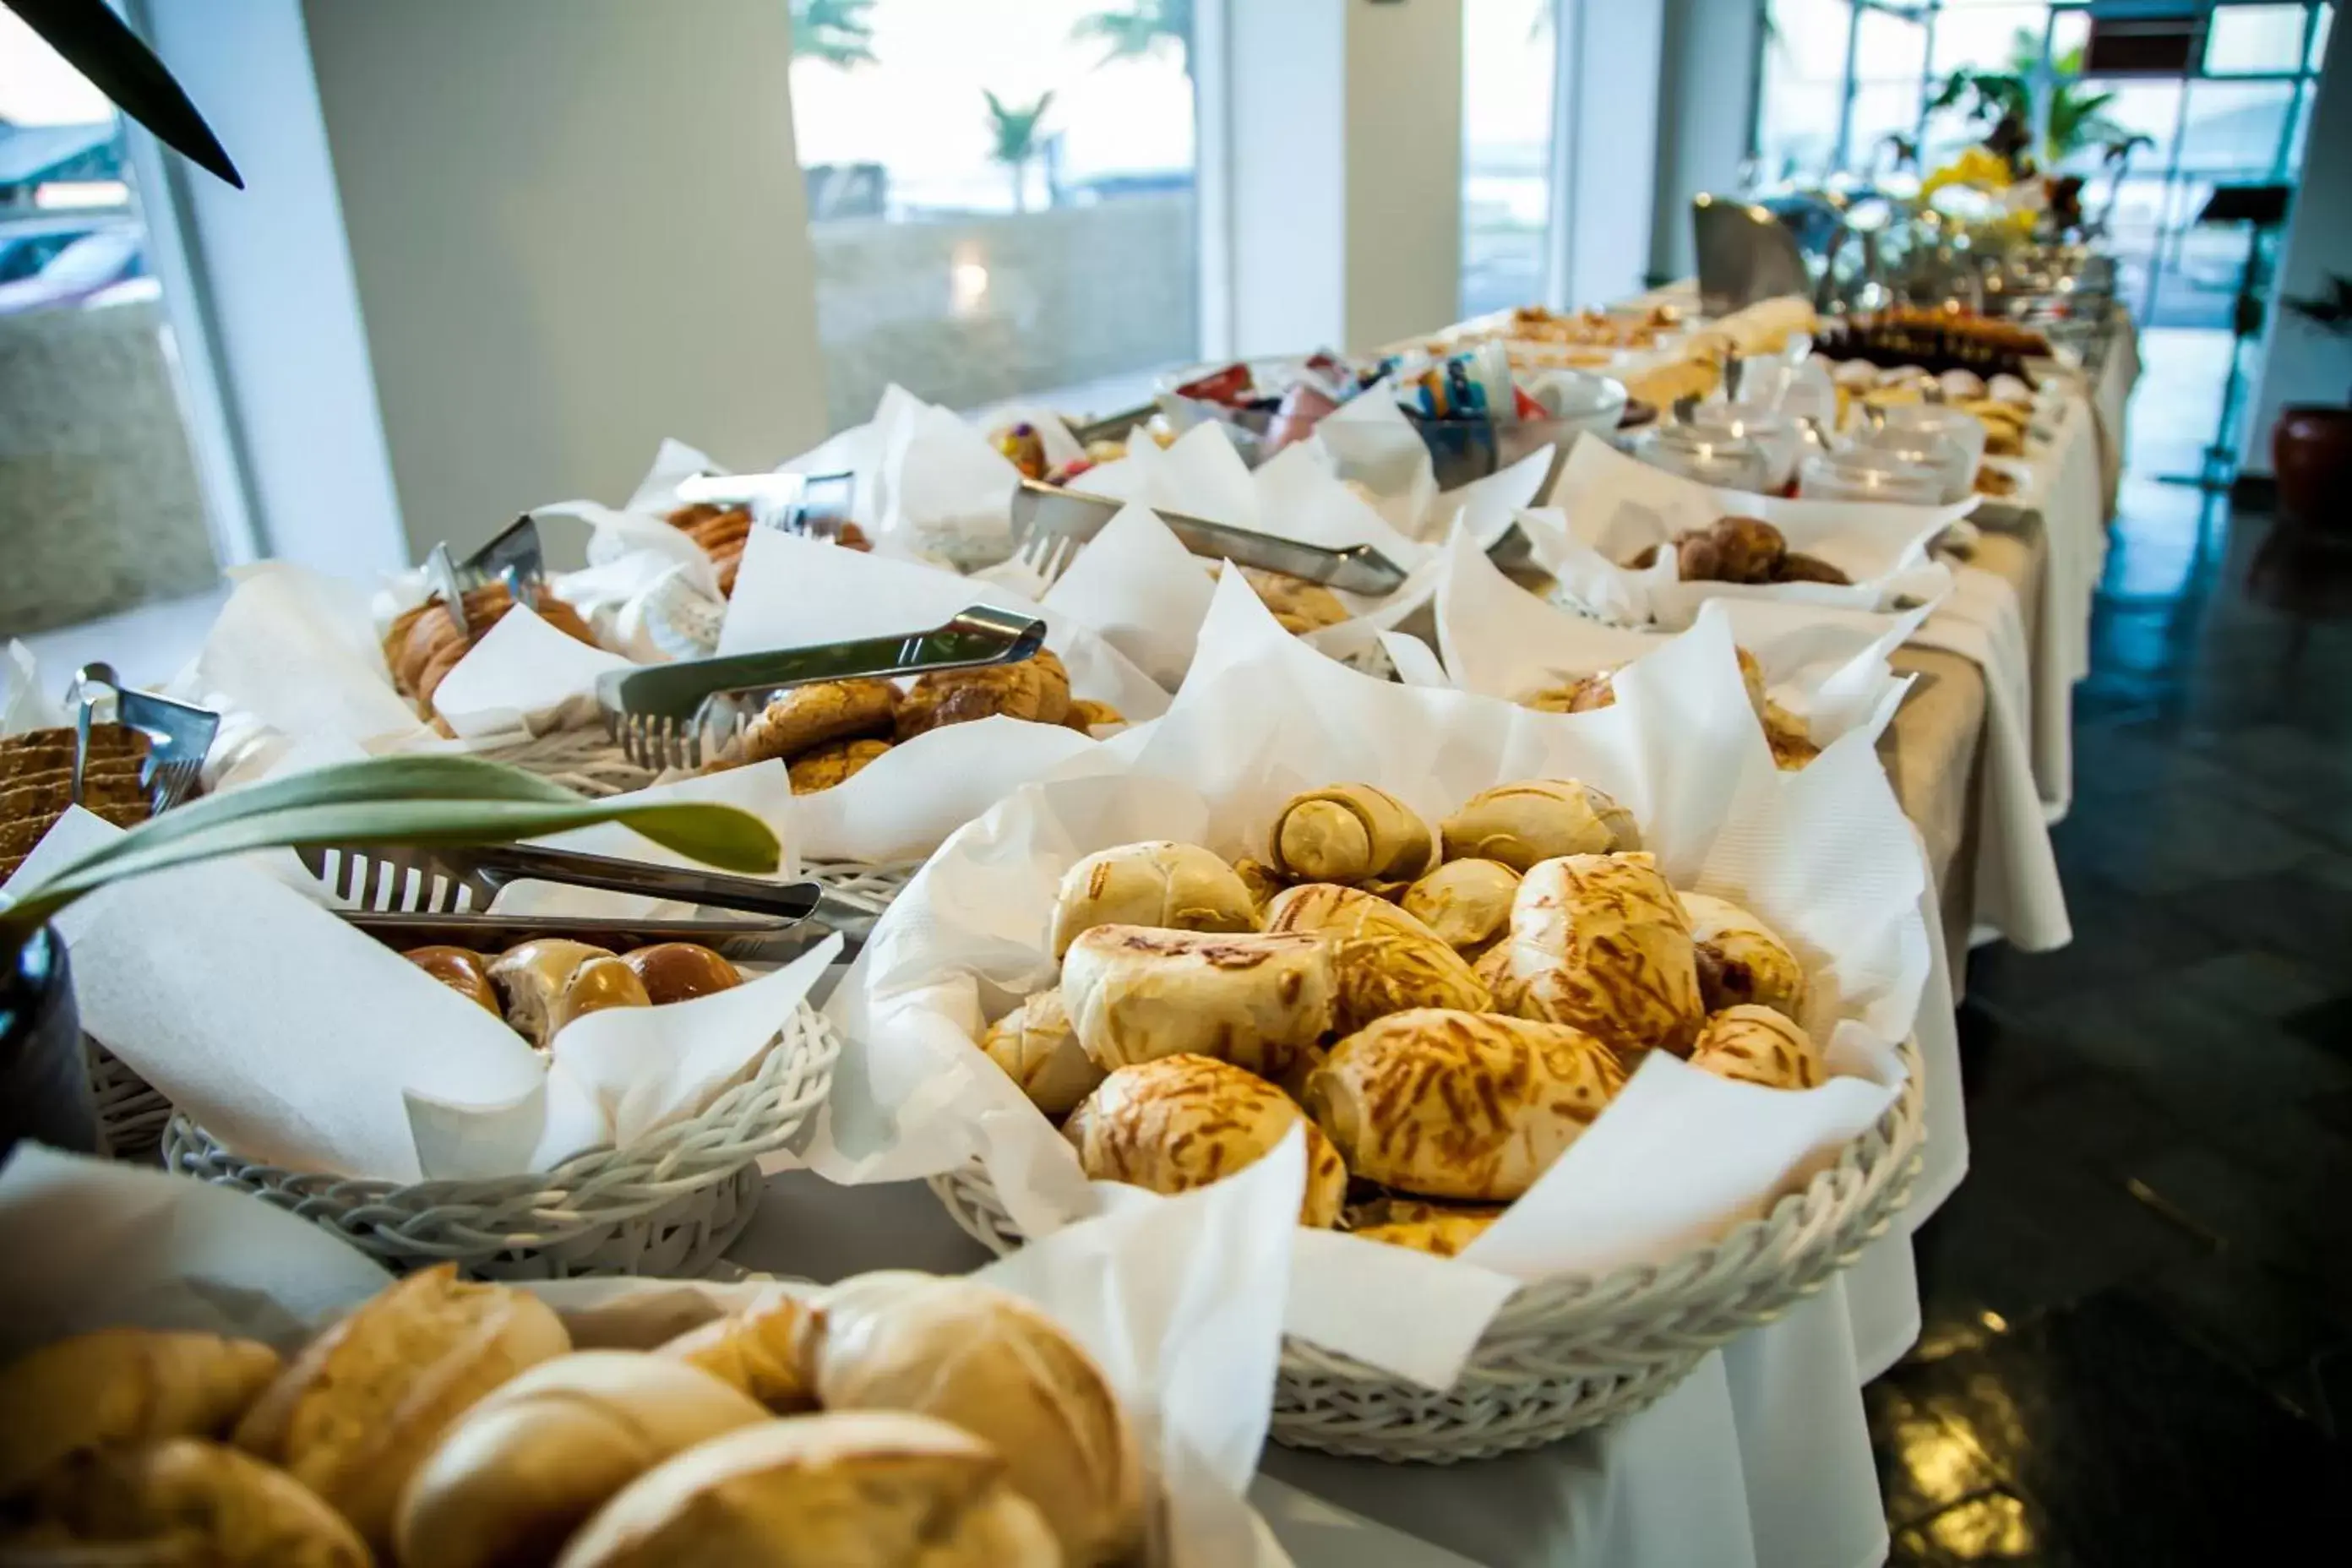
{"points": [[1185, 1122], [1350, 833], [1538, 819], [1180, 886], [1599, 942], [1383, 959]]}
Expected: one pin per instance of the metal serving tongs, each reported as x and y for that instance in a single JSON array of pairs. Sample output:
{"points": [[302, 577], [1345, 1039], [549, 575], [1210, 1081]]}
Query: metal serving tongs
{"points": [[816, 504], [745, 941], [661, 712], [178, 735], [447, 879], [1073, 514], [513, 558]]}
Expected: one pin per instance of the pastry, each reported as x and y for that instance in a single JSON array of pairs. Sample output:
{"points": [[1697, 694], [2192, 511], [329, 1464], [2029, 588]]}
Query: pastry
{"points": [[1467, 903], [1350, 833], [803, 717], [1761, 1046], [722, 531], [1085, 716], [461, 969], [1383, 960], [124, 1385], [863, 1488], [1184, 1122], [835, 763], [1748, 550], [1036, 689], [1800, 568], [364, 1404], [762, 1350], [1460, 1105], [425, 644], [1181, 887], [1297, 606], [530, 977], [1740, 958], [1599, 942], [681, 970], [179, 1503], [1443, 1229], [1039, 1050], [1255, 999], [1791, 742], [1581, 696], [1538, 819], [991, 1363], [522, 1471]]}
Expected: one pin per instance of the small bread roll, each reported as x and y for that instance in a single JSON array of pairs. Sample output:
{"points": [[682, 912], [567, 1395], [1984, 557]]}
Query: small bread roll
{"points": [[599, 983], [1442, 1229], [803, 717], [835, 762], [123, 1385], [1259, 879], [681, 970], [1740, 959], [1759, 1045], [764, 1351], [1350, 833], [1086, 715], [1185, 1122], [1256, 999], [522, 1471], [1538, 819], [1461, 1105], [1466, 903], [179, 1503], [1383, 960], [994, 1365], [1601, 942], [1176, 886], [1038, 1049], [364, 1404], [461, 969], [1297, 605], [530, 977]]}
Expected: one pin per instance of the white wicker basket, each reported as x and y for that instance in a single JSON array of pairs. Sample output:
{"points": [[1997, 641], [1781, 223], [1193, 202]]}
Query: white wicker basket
{"points": [[861, 884], [667, 1205], [585, 760], [130, 1110], [1571, 1354]]}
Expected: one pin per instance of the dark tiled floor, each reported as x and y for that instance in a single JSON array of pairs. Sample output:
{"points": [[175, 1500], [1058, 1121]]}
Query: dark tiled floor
{"points": [[2138, 1345]]}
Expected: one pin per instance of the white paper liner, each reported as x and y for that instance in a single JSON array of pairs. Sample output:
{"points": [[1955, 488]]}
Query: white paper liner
{"points": [[1825, 856], [1369, 440]]}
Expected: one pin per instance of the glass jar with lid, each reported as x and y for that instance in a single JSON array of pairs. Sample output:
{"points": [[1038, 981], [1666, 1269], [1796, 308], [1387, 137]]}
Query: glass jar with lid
{"points": [[1865, 474], [1710, 456]]}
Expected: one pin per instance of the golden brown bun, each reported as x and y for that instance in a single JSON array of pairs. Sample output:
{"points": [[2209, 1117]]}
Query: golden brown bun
{"points": [[364, 1404], [1036, 689], [764, 1351], [598, 983], [1296, 605], [123, 1385], [530, 977], [1350, 833], [1461, 1105], [461, 969], [1582, 696], [1538, 819], [865, 1488], [178, 1503], [805, 717], [1383, 960], [1185, 1122], [522, 1471], [1176, 886], [1759, 1045], [1086, 715], [835, 762], [1601, 941], [1467, 903], [1038, 1049], [1255, 999], [1442, 1229], [1740, 959], [997, 1367], [679, 971]]}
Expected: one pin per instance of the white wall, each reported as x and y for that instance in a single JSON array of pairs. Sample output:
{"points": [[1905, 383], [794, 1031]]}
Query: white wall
{"points": [[577, 226], [1404, 169], [2304, 364], [1707, 104], [1610, 62]]}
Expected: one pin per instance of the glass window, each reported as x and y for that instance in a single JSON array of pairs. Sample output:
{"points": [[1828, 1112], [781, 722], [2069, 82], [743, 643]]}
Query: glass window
{"points": [[1001, 196], [2234, 130], [1508, 54], [2318, 57], [1987, 38], [1803, 88], [2242, 39]]}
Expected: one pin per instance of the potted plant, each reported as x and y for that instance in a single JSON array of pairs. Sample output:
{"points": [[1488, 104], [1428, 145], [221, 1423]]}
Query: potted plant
{"points": [[2311, 445], [44, 1090]]}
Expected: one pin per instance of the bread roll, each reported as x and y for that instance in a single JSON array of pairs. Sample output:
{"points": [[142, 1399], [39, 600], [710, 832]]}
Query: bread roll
{"points": [[1255, 999], [681, 970], [364, 1404], [763, 1351], [1259, 879], [1383, 960], [530, 977], [1759, 1045], [1350, 833], [1179, 887], [1537, 819], [1740, 958], [600, 983], [1297, 606], [834, 763], [1599, 942], [1038, 1049], [865, 1488], [179, 1503], [1185, 1122], [123, 1385], [522, 1471], [1466, 903], [1442, 1229], [992, 1364], [1461, 1105], [462, 970], [802, 717]]}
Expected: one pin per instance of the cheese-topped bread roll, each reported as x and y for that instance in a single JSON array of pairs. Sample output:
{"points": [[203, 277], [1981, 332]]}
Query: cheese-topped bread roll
{"points": [[1181, 887], [1740, 959], [1350, 833], [1442, 1229], [1538, 819], [1601, 941], [1038, 1049], [179, 1503], [1383, 960], [1254, 998], [1185, 1122], [1460, 1105], [124, 1385], [763, 1350], [1466, 903], [1759, 1045]]}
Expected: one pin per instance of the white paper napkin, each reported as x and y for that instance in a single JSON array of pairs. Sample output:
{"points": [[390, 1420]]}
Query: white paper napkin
{"points": [[1368, 439], [524, 674], [298, 650]]}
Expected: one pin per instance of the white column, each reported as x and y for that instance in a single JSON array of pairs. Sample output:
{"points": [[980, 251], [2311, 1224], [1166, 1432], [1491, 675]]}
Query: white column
{"points": [[1605, 182], [1707, 108], [2300, 364]]}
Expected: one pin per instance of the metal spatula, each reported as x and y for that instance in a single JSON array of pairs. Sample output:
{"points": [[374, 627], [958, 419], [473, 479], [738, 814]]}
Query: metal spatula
{"points": [[1074, 514], [178, 735], [445, 879]]}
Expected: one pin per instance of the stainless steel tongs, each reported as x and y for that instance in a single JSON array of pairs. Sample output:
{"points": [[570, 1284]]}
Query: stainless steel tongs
{"points": [[1073, 514], [447, 879], [178, 735], [661, 713], [513, 558], [813, 504], [744, 941]]}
